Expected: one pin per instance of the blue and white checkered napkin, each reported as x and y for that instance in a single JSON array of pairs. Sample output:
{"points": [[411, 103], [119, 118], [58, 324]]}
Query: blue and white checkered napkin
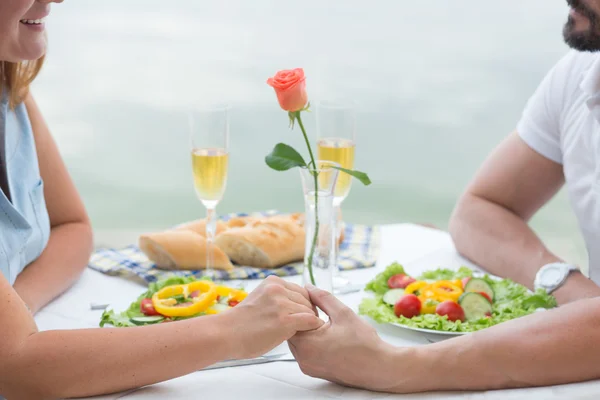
{"points": [[358, 250]]}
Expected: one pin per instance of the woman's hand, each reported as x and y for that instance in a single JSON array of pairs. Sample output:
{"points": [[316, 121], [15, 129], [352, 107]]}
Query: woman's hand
{"points": [[270, 315], [345, 350]]}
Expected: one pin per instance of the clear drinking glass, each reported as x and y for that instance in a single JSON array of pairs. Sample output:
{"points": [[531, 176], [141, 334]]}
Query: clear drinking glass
{"points": [[336, 141], [209, 141]]}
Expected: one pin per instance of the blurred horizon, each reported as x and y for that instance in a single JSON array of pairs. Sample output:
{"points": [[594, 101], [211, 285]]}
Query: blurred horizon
{"points": [[438, 87]]}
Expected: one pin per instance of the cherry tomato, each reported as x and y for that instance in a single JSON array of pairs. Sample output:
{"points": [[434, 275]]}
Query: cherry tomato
{"points": [[452, 310], [147, 308], [408, 306], [233, 303], [465, 280], [487, 296], [400, 281], [195, 293]]}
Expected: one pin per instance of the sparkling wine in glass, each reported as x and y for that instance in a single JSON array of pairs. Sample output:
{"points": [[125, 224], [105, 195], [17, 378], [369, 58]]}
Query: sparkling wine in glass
{"points": [[209, 141], [336, 141]]}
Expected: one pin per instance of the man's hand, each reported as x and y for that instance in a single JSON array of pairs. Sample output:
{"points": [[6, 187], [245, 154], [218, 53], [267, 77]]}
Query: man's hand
{"points": [[345, 350], [270, 315]]}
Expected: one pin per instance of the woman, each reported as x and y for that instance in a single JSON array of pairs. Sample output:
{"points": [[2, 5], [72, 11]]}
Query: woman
{"points": [[46, 240]]}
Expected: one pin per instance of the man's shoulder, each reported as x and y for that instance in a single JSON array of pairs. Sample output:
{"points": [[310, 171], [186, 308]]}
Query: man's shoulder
{"points": [[574, 64]]}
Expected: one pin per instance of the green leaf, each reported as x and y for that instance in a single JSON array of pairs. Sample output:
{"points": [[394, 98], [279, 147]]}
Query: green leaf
{"points": [[379, 284], [284, 157], [361, 176]]}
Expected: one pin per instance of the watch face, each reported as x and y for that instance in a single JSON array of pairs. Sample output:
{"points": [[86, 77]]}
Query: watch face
{"points": [[552, 275]]}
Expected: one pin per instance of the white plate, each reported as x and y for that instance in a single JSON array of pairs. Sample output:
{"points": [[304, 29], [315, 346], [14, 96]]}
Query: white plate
{"points": [[442, 333]]}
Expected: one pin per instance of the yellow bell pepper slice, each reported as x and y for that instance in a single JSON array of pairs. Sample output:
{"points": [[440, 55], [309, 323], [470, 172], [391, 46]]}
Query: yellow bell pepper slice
{"points": [[208, 295], [428, 305], [233, 294], [446, 290], [458, 283], [413, 287]]}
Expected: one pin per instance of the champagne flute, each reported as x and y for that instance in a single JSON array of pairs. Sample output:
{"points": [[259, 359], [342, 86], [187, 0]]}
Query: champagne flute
{"points": [[209, 141], [336, 141]]}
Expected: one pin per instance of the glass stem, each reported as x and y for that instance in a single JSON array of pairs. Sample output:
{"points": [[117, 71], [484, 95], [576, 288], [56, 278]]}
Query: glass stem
{"points": [[211, 227], [337, 226]]}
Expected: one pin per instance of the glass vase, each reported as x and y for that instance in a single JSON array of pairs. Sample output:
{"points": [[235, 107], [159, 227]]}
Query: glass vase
{"points": [[319, 254]]}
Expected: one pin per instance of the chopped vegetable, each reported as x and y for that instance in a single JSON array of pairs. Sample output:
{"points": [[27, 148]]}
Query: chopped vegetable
{"points": [[453, 311], [190, 295], [480, 285], [476, 306], [392, 296], [510, 301], [147, 308], [162, 303], [147, 320], [416, 287], [446, 290], [399, 281], [428, 306], [379, 284], [408, 306]]}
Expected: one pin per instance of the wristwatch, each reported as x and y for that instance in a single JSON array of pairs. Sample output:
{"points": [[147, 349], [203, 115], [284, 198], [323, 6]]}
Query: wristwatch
{"points": [[551, 276]]}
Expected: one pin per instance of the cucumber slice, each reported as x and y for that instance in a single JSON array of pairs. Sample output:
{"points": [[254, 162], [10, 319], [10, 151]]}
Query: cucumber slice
{"points": [[475, 306], [392, 296], [479, 285], [147, 320]]}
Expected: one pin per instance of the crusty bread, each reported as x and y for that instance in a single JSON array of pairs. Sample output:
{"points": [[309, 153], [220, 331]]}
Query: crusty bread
{"points": [[238, 222], [261, 242], [181, 249], [199, 226], [266, 243]]}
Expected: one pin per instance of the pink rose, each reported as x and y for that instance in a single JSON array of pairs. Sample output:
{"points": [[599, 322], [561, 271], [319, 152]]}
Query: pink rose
{"points": [[290, 87]]}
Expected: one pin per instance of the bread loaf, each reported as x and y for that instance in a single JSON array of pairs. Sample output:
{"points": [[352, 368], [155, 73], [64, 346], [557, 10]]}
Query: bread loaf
{"points": [[238, 222], [199, 226], [265, 243], [261, 242], [181, 249]]}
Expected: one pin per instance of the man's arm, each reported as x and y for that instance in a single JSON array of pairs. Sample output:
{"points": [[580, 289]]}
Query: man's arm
{"points": [[560, 347], [70, 244], [489, 225]]}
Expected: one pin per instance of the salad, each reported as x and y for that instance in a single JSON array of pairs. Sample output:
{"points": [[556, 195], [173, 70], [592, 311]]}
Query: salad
{"points": [[447, 300], [173, 299]]}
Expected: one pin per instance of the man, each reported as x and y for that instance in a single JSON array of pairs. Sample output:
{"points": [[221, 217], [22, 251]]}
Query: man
{"points": [[557, 141]]}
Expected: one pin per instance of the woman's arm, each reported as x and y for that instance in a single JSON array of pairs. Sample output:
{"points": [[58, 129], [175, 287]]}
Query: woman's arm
{"points": [[78, 363], [70, 243]]}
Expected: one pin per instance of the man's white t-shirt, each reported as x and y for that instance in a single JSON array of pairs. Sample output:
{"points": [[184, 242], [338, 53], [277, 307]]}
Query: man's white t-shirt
{"points": [[562, 122]]}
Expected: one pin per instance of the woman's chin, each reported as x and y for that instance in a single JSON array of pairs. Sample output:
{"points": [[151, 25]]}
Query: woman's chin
{"points": [[30, 53]]}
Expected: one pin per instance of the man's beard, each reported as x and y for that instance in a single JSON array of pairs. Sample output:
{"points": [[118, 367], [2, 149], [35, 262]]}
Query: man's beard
{"points": [[588, 40]]}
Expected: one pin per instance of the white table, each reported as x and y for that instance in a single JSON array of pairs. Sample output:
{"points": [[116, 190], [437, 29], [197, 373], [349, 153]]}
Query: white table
{"points": [[417, 248]]}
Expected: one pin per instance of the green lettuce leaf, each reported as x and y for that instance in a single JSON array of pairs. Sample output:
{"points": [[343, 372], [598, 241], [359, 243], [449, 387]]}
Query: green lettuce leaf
{"points": [[379, 284], [511, 301], [443, 274]]}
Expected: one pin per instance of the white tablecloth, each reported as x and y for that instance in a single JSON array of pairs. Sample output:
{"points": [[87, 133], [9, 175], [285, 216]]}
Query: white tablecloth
{"points": [[417, 248]]}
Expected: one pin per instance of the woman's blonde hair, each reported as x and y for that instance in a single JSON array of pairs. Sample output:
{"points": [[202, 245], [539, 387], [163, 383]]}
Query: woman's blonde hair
{"points": [[15, 78]]}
